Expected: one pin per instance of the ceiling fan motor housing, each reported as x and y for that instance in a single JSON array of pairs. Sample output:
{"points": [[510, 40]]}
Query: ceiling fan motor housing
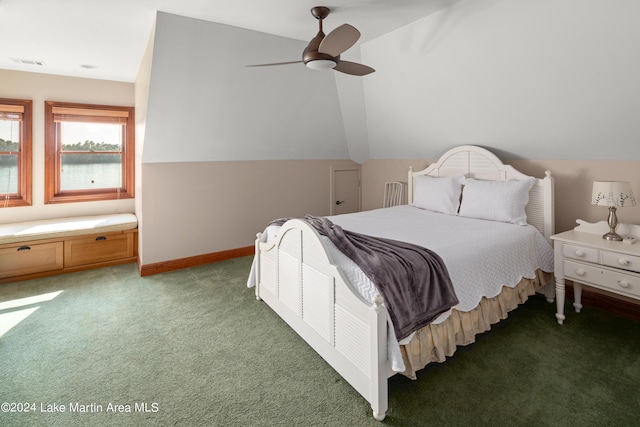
{"points": [[311, 54]]}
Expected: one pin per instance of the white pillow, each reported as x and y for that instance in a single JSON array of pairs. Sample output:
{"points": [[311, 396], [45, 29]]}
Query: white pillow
{"points": [[438, 194], [496, 200]]}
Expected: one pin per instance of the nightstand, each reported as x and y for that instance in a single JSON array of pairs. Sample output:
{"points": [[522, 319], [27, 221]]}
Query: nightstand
{"points": [[584, 257]]}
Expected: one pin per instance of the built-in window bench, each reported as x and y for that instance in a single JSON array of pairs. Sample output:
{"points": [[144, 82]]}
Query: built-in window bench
{"points": [[42, 248]]}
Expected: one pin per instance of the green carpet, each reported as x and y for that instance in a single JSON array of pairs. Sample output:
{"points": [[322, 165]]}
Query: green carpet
{"points": [[194, 348]]}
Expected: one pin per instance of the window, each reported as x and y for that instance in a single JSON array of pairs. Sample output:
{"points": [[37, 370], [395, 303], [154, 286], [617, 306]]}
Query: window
{"points": [[15, 152], [89, 152]]}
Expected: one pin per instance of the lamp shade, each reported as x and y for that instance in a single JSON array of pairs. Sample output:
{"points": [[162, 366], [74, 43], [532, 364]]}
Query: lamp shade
{"points": [[612, 193]]}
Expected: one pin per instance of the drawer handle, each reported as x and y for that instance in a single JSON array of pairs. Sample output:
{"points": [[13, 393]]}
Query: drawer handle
{"points": [[24, 248], [580, 272], [100, 238], [579, 253], [623, 262], [623, 283]]}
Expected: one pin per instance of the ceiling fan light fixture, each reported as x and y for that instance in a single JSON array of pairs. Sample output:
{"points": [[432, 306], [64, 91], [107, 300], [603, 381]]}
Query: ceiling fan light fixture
{"points": [[323, 51], [321, 64]]}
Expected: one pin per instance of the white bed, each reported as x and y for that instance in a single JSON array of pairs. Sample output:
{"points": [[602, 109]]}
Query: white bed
{"points": [[336, 309]]}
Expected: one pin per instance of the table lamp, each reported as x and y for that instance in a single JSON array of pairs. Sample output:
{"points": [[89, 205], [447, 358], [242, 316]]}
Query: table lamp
{"points": [[615, 194]]}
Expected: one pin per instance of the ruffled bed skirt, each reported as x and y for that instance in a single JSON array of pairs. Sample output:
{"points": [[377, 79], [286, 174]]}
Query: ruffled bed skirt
{"points": [[434, 343]]}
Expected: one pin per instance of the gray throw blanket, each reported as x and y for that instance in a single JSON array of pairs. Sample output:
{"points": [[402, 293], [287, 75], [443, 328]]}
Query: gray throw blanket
{"points": [[413, 280]]}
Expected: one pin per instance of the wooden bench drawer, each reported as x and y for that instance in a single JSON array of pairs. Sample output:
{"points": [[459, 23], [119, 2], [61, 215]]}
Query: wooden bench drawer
{"points": [[29, 259], [97, 249]]}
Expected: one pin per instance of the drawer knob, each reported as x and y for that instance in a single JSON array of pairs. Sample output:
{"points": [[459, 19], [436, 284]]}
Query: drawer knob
{"points": [[100, 238], [24, 248], [580, 272], [623, 262], [579, 253], [623, 283]]}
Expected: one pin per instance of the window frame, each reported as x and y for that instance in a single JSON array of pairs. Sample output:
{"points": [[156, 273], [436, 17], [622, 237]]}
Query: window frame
{"points": [[52, 191], [23, 196]]}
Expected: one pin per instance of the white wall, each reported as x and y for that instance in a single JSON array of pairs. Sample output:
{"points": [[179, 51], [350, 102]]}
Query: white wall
{"points": [[206, 105], [142, 87], [39, 88], [547, 79], [548, 84], [354, 113], [229, 148]]}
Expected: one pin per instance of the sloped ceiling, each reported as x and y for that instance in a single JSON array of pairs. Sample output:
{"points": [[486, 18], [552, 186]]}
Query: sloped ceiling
{"points": [[106, 39], [210, 107]]}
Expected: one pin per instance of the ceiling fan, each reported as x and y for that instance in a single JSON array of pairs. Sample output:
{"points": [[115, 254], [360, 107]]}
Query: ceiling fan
{"points": [[323, 52]]}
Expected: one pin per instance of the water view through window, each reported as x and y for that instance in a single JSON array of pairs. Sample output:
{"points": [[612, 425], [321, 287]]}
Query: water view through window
{"points": [[8, 176], [91, 176], [91, 156], [9, 137], [74, 177]]}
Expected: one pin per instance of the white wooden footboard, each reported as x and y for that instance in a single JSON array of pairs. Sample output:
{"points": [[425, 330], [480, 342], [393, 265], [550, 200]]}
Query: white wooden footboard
{"points": [[298, 280]]}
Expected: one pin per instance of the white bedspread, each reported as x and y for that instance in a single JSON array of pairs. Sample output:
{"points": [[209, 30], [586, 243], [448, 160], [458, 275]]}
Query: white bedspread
{"points": [[481, 256]]}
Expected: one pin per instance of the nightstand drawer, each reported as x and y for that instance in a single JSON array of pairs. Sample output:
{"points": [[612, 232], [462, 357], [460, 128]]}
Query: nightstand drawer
{"points": [[617, 260], [603, 278], [579, 252], [621, 283], [582, 272], [584, 257]]}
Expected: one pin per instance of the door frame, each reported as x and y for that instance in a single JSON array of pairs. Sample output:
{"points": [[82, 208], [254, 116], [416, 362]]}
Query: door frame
{"points": [[332, 183]]}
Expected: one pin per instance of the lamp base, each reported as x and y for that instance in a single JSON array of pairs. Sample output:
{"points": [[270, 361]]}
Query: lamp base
{"points": [[613, 236], [612, 220]]}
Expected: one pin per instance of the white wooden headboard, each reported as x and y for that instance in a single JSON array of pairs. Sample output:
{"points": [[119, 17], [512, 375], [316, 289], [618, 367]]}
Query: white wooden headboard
{"points": [[479, 163]]}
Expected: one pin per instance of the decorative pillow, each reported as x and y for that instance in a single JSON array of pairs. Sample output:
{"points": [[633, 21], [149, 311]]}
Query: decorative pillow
{"points": [[496, 200], [438, 194]]}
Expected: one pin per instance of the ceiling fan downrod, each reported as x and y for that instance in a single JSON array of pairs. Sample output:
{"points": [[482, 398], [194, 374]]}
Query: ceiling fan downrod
{"points": [[310, 56]]}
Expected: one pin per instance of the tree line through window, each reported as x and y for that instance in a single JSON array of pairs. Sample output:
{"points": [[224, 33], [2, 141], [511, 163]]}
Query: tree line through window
{"points": [[15, 152], [89, 152]]}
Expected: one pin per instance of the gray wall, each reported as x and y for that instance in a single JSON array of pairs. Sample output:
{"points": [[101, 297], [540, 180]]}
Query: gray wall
{"points": [[205, 105], [547, 79]]}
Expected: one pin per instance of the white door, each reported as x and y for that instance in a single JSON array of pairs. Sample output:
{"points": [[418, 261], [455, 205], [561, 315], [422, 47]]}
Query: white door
{"points": [[345, 190]]}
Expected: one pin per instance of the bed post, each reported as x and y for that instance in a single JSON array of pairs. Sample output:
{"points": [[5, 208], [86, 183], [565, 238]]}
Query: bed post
{"points": [[257, 266], [548, 203], [549, 228], [379, 385], [410, 186]]}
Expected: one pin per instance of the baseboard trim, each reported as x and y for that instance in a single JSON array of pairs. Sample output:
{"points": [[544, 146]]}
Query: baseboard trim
{"points": [[607, 302], [194, 261]]}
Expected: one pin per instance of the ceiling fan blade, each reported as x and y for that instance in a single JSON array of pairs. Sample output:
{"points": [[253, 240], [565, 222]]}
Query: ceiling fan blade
{"points": [[275, 63], [353, 68], [339, 40]]}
